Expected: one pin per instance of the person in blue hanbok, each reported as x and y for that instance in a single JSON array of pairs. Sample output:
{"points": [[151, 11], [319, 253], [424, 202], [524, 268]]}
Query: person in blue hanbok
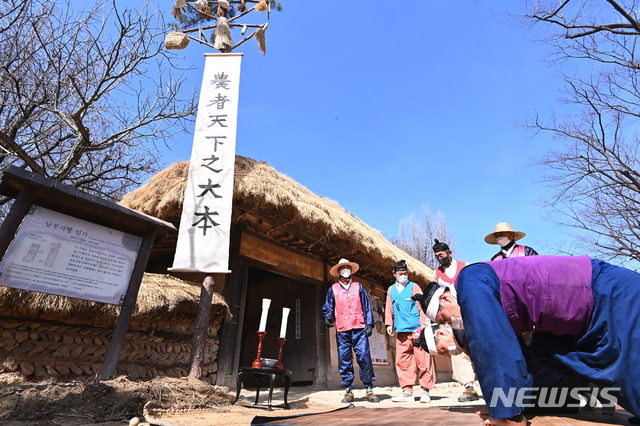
{"points": [[586, 309], [347, 306]]}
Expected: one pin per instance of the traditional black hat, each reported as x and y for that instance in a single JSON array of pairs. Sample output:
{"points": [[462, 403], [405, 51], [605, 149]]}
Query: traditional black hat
{"points": [[400, 266], [438, 246]]}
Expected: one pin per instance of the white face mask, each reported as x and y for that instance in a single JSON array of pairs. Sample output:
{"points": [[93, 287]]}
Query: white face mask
{"points": [[454, 350], [402, 279], [456, 323], [345, 273], [503, 241]]}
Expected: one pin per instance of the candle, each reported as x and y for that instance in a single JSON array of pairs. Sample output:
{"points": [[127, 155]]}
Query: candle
{"points": [[283, 327], [263, 318]]}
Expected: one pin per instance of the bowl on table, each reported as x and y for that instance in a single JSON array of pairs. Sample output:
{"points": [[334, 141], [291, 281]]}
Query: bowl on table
{"points": [[269, 362]]}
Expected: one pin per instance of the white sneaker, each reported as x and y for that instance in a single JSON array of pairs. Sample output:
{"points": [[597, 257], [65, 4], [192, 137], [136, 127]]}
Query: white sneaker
{"points": [[404, 397], [424, 398]]}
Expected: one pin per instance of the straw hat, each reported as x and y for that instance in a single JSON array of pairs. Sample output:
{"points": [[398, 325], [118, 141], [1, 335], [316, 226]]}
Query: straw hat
{"points": [[503, 227], [344, 262]]}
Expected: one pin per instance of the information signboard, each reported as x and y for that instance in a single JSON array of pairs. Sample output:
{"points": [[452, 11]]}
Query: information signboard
{"points": [[58, 254]]}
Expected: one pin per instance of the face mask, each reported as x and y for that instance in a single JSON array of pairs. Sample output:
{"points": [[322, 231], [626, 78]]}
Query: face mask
{"points": [[345, 273], [503, 241], [402, 279], [446, 262], [454, 350], [456, 323]]}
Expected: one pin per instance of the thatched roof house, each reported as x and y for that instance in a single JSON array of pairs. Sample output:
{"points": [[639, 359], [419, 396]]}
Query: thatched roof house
{"points": [[160, 295], [289, 212], [284, 239]]}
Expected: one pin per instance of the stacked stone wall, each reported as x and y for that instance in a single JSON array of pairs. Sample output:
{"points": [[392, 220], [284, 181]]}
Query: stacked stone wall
{"points": [[42, 348]]}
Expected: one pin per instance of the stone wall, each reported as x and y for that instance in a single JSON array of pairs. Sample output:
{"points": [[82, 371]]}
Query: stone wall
{"points": [[50, 347]]}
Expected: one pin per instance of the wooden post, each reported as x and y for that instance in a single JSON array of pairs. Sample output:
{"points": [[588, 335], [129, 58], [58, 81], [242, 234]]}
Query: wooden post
{"points": [[199, 346], [122, 325], [12, 222], [229, 331]]}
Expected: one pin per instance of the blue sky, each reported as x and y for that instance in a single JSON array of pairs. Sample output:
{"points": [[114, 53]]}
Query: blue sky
{"points": [[390, 107]]}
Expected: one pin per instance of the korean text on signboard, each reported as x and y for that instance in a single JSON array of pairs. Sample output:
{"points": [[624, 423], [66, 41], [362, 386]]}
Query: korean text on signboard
{"points": [[63, 255]]}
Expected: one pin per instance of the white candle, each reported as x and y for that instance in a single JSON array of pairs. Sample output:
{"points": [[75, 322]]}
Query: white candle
{"points": [[283, 327], [263, 318]]}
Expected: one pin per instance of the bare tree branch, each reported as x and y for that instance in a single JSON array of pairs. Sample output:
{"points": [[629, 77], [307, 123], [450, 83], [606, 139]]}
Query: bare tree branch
{"points": [[594, 174], [417, 235], [86, 96]]}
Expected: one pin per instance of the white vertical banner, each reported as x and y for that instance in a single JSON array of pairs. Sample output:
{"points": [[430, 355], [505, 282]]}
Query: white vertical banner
{"points": [[203, 237]]}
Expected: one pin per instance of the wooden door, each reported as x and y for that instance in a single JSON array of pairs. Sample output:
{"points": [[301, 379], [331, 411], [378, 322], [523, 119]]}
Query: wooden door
{"points": [[299, 350]]}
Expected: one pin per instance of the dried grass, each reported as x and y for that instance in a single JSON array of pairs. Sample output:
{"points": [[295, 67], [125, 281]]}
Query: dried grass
{"points": [[257, 183], [158, 294]]}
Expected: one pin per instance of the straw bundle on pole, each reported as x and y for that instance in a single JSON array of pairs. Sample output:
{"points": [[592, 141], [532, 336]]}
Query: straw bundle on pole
{"points": [[176, 40], [222, 35]]}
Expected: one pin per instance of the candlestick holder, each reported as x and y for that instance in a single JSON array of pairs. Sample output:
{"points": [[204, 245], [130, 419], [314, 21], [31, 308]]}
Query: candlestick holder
{"points": [[257, 363], [278, 364]]}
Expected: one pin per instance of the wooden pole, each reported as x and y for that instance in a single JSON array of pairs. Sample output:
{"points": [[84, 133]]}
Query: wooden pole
{"points": [[122, 325], [13, 220], [199, 346]]}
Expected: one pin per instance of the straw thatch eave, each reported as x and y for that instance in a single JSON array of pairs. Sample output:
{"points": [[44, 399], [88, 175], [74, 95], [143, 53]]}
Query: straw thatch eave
{"points": [[159, 294], [261, 189]]}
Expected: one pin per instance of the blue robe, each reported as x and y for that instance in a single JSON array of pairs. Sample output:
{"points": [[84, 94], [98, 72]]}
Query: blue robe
{"points": [[602, 355], [355, 339]]}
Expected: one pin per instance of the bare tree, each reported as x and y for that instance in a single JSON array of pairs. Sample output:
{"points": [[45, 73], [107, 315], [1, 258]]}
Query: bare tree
{"points": [[85, 97], [595, 174], [417, 235]]}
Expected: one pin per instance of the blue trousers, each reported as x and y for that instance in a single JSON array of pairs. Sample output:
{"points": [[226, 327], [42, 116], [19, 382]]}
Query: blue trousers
{"points": [[601, 356], [358, 341]]}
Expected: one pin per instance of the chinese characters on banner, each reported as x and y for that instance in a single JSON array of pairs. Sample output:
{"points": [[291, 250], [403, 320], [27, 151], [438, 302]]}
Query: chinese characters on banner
{"points": [[203, 237]]}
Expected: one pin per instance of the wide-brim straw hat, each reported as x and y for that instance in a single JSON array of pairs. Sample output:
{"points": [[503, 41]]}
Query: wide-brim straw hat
{"points": [[503, 227], [343, 262]]}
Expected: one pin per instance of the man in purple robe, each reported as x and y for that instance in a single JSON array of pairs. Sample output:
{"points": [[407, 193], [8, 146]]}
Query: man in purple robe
{"points": [[586, 309]]}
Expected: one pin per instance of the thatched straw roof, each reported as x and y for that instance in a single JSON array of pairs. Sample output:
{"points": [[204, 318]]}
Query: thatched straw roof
{"points": [[260, 187], [159, 294]]}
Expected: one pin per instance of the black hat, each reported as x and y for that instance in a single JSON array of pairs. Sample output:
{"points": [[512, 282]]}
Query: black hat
{"points": [[438, 246], [400, 266]]}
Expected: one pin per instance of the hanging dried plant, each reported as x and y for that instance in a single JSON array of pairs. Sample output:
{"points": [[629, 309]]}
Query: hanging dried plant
{"points": [[203, 7], [242, 7], [262, 6], [176, 12], [259, 35]]}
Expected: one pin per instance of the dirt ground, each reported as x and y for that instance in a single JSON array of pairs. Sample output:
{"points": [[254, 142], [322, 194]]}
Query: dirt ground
{"points": [[181, 402], [168, 401]]}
